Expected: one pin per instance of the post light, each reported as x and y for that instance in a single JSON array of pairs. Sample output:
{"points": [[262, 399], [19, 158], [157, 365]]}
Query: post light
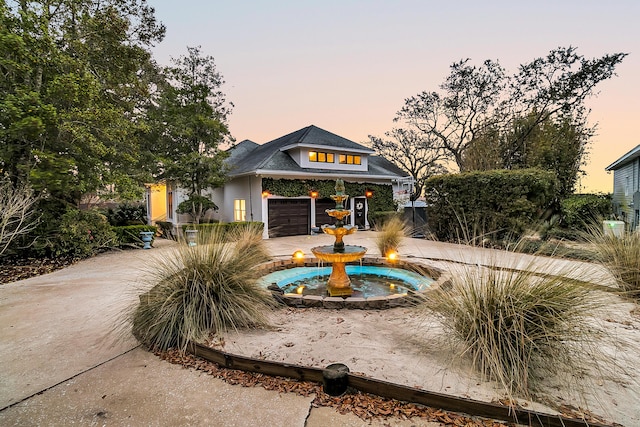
{"points": [[298, 256], [392, 256], [266, 193], [368, 193], [313, 194]]}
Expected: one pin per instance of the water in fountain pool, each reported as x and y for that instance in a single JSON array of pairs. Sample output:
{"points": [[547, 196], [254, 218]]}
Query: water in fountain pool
{"points": [[366, 281]]}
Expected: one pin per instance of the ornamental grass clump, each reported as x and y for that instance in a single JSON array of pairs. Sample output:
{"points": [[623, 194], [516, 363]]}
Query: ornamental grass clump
{"points": [[620, 255], [390, 235], [519, 327], [202, 290]]}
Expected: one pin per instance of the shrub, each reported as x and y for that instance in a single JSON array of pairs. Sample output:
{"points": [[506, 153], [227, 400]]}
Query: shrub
{"points": [[580, 210], [130, 234], [196, 206], [519, 327], [209, 288], [390, 235], [127, 214], [471, 206], [75, 234], [224, 228]]}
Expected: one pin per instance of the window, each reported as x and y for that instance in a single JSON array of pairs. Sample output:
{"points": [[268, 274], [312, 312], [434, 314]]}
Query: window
{"points": [[321, 157], [239, 210], [348, 159]]}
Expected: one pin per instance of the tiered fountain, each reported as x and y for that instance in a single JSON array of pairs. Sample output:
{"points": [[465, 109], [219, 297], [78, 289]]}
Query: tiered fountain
{"points": [[339, 254]]}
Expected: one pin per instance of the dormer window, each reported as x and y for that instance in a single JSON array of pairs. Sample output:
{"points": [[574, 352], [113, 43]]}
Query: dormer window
{"points": [[321, 157], [348, 159]]}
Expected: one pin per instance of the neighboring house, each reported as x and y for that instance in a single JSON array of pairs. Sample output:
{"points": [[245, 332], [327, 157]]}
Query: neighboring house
{"points": [[626, 187], [310, 153]]}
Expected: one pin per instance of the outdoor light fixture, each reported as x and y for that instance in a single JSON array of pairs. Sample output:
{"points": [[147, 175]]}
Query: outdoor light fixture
{"points": [[265, 193], [368, 193], [313, 194], [392, 256], [300, 289], [298, 256]]}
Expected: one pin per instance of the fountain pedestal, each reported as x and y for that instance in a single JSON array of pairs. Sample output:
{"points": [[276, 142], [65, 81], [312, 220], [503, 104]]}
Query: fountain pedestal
{"points": [[339, 284]]}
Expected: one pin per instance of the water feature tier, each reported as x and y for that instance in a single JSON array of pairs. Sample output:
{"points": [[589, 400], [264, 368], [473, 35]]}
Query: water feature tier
{"points": [[339, 254]]}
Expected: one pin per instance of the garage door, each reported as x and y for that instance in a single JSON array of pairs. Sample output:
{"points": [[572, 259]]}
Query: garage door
{"points": [[321, 216], [289, 217]]}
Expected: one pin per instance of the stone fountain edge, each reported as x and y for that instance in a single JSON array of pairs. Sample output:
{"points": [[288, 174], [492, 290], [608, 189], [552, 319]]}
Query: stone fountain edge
{"points": [[441, 278]]}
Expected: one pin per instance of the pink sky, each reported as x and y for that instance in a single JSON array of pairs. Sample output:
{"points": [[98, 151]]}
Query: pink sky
{"points": [[347, 66]]}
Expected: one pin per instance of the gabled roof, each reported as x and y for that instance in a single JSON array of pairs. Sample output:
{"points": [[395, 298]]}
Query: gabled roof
{"points": [[629, 157], [248, 157]]}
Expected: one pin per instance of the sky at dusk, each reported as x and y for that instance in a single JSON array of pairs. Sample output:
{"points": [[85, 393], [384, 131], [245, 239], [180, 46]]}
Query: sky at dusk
{"points": [[347, 66]]}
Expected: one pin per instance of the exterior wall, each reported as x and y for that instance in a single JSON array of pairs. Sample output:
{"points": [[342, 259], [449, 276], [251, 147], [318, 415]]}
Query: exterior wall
{"points": [[302, 157], [156, 203], [248, 189], [626, 186]]}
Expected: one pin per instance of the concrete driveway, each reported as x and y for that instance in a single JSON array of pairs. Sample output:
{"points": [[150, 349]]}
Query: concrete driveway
{"points": [[62, 363]]}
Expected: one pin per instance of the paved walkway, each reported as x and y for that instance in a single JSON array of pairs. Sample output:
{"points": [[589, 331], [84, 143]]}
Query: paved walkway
{"points": [[62, 363]]}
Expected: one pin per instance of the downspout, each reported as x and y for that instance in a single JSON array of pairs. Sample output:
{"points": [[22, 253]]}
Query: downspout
{"points": [[250, 201]]}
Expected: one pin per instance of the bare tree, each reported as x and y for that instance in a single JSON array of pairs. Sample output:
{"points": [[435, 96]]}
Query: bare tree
{"points": [[16, 208], [470, 96], [412, 151], [477, 101]]}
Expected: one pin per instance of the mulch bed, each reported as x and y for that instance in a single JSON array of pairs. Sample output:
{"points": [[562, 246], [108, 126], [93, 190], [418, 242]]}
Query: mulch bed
{"points": [[365, 406], [15, 269]]}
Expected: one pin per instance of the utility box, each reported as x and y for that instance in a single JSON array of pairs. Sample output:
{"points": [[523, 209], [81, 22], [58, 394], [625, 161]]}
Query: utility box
{"points": [[613, 228]]}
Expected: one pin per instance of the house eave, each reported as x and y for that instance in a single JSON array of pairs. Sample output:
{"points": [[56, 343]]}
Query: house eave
{"points": [[319, 175], [326, 147], [627, 158]]}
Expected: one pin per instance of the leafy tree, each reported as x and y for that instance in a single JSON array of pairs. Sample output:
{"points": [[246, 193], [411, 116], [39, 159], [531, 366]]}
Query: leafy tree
{"points": [[73, 93], [189, 125], [484, 104], [556, 144], [411, 151]]}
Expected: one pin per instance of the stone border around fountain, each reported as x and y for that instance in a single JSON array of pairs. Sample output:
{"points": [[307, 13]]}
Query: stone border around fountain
{"points": [[441, 278]]}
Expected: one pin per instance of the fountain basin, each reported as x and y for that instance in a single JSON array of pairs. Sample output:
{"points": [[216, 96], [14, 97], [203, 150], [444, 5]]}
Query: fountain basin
{"points": [[409, 282], [351, 253], [339, 284]]}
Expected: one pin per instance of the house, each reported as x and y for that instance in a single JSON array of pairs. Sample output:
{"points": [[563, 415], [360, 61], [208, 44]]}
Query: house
{"points": [[626, 187], [309, 155]]}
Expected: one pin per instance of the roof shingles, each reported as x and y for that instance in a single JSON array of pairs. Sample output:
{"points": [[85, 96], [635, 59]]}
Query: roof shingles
{"points": [[248, 157]]}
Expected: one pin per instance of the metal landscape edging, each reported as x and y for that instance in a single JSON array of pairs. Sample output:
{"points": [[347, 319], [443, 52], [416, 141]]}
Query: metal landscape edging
{"points": [[390, 390]]}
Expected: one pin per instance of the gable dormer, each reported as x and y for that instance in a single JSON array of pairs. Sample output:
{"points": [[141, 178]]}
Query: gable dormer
{"points": [[316, 148], [329, 157]]}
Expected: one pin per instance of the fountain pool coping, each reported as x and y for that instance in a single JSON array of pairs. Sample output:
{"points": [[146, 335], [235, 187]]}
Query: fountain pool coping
{"points": [[379, 302]]}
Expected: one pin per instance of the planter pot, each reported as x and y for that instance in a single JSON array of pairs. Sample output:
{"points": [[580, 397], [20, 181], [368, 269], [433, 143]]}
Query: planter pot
{"points": [[192, 237], [147, 238]]}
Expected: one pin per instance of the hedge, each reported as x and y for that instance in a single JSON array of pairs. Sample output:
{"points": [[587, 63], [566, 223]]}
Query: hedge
{"points": [[491, 204], [223, 227], [130, 234], [581, 209]]}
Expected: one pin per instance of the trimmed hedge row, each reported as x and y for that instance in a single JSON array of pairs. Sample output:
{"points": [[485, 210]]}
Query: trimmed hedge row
{"points": [[130, 234], [224, 227], [493, 204]]}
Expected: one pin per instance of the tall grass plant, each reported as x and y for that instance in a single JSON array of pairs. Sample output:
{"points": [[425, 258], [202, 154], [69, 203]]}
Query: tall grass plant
{"points": [[202, 290], [390, 235], [620, 254], [519, 327]]}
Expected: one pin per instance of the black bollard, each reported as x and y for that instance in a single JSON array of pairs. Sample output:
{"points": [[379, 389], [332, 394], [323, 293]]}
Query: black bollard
{"points": [[335, 379]]}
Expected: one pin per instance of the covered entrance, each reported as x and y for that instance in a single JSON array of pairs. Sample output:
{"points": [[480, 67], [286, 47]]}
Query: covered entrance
{"points": [[289, 217]]}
